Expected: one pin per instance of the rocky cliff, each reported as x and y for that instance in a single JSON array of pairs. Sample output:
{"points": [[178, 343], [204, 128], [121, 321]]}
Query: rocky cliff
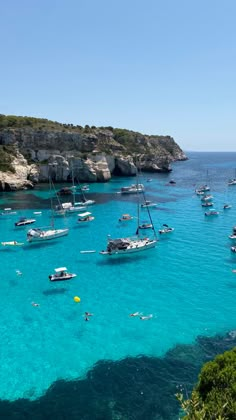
{"points": [[35, 148]]}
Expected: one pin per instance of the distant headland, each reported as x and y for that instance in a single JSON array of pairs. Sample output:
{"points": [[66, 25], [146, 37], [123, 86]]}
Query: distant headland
{"points": [[29, 145]]}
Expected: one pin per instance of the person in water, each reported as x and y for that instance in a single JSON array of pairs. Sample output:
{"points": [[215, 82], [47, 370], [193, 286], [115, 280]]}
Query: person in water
{"points": [[136, 314], [146, 317]]}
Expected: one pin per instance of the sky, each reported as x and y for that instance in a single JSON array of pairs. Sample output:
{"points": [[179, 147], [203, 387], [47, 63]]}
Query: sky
{"points": [[156, 67]]}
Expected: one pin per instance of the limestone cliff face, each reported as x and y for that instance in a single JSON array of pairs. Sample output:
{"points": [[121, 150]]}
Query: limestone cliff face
{"points": [[94, 155]]}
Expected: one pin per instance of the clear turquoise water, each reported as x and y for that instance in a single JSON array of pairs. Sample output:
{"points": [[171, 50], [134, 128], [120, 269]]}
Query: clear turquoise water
{"points": [[186, 282]]}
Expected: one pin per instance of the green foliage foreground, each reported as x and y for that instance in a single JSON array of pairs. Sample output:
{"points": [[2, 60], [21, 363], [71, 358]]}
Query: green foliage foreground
{"points": [[214, 397]]}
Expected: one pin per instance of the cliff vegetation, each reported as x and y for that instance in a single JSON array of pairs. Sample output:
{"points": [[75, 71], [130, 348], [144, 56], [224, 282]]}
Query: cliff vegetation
{"points": [[214, 397]]}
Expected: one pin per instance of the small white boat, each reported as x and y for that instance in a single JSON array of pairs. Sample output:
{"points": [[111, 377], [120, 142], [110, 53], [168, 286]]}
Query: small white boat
{"points": [[41, 235], [204, 188], [61, 274], [85, 217], [85, 203], [207, 197], [233, 234], [232, 181], [233, 248], [199, 192], [132, 189], [207, 204], [146, 226], [23, 222], [148, 204], [125, 217], [8, 212], [227, 206], [149, 180], [212, 212], [166, 229]]}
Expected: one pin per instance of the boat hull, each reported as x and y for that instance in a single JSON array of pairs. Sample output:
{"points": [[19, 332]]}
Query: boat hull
{"points": [[53, 277], [137, 246], [48, 235]]}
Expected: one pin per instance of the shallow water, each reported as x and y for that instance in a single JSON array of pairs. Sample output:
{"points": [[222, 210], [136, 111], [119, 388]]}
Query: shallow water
{"points": [[186, 282]]}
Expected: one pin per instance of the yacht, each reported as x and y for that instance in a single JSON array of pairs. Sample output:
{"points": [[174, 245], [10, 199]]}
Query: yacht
{"points": [[123, 246], [41, 235], [137, 243]]}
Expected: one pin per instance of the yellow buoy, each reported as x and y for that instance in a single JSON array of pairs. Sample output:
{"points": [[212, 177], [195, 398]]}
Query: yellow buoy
{"points": [[77, 299]]}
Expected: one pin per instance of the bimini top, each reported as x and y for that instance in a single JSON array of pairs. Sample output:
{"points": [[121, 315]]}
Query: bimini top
{"points": [[86, 214], [58, 270]]}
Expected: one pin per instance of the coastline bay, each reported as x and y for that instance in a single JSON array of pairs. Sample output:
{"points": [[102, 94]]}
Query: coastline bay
{"points": [[186, 282]]}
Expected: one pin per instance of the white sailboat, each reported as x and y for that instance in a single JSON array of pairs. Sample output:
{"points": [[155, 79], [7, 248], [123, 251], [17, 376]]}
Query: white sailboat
{"points": [[46, 234], [133, 244]]}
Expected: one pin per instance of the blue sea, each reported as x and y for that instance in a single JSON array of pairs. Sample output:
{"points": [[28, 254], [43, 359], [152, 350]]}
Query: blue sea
{"points": [[186, 283]]}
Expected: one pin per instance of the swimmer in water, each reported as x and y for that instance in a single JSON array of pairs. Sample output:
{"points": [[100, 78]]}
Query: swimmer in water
{"points": [[35, 304], [146, 317], [19, 273], [88, 314], [136, 314]]}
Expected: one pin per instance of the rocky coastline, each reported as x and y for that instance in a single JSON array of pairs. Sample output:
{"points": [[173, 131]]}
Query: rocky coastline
{"points": [[94, 154]]}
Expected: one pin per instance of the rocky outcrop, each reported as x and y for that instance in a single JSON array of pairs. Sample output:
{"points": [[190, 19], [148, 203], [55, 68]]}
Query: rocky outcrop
{"points": [[93, 156], [24, 177]]}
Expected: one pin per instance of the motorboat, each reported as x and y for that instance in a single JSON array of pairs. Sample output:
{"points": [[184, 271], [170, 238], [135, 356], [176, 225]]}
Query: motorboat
{"points": [[122, 246], [233, 234], [61, 274], [172, 181], [232, 181], [233, 248], [125, 217], [207, 204], [148, 203], [227, 206], [204, 188], [212, 212], [199, 192], [146, 226], [166, 229], [85, 203], [41, 235], [207, 197], [85, 217], [132, 189], [23, 222], [8, 212]]}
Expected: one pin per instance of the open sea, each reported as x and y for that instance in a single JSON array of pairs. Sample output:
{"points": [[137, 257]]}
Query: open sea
{"points": [[54, 364]]}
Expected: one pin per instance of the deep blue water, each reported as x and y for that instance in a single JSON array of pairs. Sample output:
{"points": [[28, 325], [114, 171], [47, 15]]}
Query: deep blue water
{"points": [[186, 283]]}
